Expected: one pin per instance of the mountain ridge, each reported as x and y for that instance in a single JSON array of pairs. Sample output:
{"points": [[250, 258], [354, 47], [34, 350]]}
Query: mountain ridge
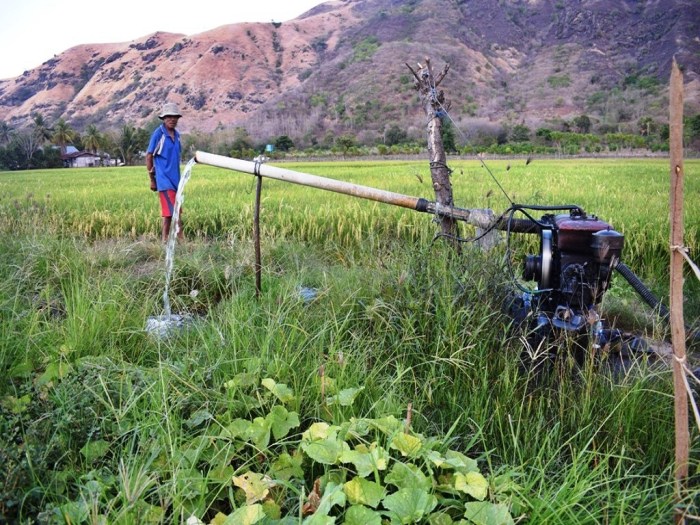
{"points": [[341, 68]]}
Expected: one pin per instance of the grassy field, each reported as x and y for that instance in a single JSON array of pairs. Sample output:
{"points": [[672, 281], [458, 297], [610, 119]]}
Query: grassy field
{"points": [[397, 386]]}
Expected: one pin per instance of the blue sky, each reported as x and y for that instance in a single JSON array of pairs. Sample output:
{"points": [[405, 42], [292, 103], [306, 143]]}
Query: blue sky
{"points": [[33, 31]]}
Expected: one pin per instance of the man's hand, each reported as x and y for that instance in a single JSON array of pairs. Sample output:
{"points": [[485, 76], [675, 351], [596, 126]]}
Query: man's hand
{"points": [[152, 175]]}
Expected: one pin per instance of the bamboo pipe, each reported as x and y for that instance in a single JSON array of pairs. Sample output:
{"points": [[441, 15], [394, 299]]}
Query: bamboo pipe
{"points": [[481, 218]]}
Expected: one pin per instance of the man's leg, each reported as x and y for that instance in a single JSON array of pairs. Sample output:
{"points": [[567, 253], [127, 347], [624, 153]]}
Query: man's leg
{"points": [[166, 228]]}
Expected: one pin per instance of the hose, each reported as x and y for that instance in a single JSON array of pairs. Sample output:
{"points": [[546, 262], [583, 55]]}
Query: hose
{"points": [[650, 298], [642, 290]]}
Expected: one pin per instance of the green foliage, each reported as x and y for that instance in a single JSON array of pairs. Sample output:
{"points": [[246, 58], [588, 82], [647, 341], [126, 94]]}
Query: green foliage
{"points": [[284, 143], [241, 415], [520, 133], [365, 48], [557, 81]]}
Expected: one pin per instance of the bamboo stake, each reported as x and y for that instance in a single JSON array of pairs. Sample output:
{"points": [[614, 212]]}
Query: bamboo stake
{"points": [[676, 292]]}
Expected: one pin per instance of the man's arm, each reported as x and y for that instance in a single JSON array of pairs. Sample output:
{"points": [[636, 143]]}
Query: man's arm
{"points": [[151, 171]]}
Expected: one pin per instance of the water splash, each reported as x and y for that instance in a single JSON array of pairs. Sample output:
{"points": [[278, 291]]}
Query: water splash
{"points": [[172, 237]]}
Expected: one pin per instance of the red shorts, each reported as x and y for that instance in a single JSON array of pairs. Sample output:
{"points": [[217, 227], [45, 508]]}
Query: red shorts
{"points": [[167, 202]]}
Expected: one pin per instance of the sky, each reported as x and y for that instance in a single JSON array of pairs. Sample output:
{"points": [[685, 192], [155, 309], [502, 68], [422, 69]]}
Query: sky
{"points": [[33, 31]]}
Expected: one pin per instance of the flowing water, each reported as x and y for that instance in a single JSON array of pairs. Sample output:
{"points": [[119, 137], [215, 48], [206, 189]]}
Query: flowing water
{"points": [[161, 325], [172, 237]]}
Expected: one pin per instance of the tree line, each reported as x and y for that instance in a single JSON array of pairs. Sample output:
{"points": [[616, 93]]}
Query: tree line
{"points": [[43, 145]]}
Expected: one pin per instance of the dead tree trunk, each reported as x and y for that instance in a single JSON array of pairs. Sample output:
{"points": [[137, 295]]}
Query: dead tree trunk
{"points": [[435, 107]]}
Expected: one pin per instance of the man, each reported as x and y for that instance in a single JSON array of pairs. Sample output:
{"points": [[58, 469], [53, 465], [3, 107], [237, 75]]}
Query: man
{"points": [[163, 164]]}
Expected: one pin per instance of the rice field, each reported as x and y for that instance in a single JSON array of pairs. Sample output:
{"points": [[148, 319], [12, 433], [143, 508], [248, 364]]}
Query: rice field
{"points": [[400, 353]]}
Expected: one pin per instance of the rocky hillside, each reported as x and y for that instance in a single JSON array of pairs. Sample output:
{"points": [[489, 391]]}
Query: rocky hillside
{"points": [[341, 67]]}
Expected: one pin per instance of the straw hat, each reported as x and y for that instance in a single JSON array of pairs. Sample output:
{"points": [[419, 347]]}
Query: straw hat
{"points": [[169, 110]]}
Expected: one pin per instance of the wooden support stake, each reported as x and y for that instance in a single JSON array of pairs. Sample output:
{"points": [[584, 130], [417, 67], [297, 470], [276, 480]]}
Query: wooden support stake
{"points": [[677, 325], [256, 237]]}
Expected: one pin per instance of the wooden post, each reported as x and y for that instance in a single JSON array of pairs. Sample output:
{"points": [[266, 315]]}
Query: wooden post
{"points": [[256, 236], [677, 326], [435, 107]]}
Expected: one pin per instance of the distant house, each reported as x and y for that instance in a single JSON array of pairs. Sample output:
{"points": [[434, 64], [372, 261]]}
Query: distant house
{"points": [[73, 158]]}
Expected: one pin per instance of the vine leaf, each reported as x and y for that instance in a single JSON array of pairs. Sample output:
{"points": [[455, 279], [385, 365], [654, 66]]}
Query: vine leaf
{"points": [[281, 421], [345, 397], [364, 492], [332, 495], [410, 505], [406, 444], [360, 515], [486, 513], [255, 486], [472, 483], [366, 460], [280, 390], [405, 476], [320, 442]]}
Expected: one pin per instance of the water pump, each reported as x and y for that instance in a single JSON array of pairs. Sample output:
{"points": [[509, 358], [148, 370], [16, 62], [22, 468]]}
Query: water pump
{"points": [[578, 254]]}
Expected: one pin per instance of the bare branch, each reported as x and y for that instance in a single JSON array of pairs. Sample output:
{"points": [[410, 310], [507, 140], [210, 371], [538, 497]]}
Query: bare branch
{"points": [[442, 75], [414, 73]]}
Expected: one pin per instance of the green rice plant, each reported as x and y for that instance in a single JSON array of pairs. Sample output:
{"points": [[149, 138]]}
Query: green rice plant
{"points": [[105, 422]]}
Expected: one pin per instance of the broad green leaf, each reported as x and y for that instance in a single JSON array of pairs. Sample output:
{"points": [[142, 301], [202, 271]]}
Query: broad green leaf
{"points": [[440, 518], [256, 486], [472, 483], [356, 427], [74, 512], [319, 519], [260, 433], [389, 425], [410, 505], [242, 380], [281, 421], [364, 492], [405, 476], [366, 460], [406, 444], [485, 513], [219, 519], [247, 515], [280, 390], [436, 458], [332, 495], [326, 451], [359, 515], [272, 509], [222, 473], [285, 467], [94, 450], [238, 428], [460, 462], [55, 370], [345, 397], [199, 417], [319, 431], [320, 442]]}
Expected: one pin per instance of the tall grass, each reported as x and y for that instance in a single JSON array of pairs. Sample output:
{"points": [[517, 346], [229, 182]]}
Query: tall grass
{"points": [[104, 422]]}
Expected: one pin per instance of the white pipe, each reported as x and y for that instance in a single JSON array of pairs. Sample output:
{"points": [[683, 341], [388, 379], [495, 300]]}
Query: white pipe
{"points": [[479, 218], [296, 177]]}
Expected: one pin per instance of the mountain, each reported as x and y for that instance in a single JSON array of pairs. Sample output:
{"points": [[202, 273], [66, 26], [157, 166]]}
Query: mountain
{"points": [[342, 68]]}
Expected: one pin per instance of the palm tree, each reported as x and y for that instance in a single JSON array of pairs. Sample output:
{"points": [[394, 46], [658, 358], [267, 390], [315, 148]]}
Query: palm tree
{"points": [[40, 129], [92, 139], [62, 134], [5, 132], [128, 143]]}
